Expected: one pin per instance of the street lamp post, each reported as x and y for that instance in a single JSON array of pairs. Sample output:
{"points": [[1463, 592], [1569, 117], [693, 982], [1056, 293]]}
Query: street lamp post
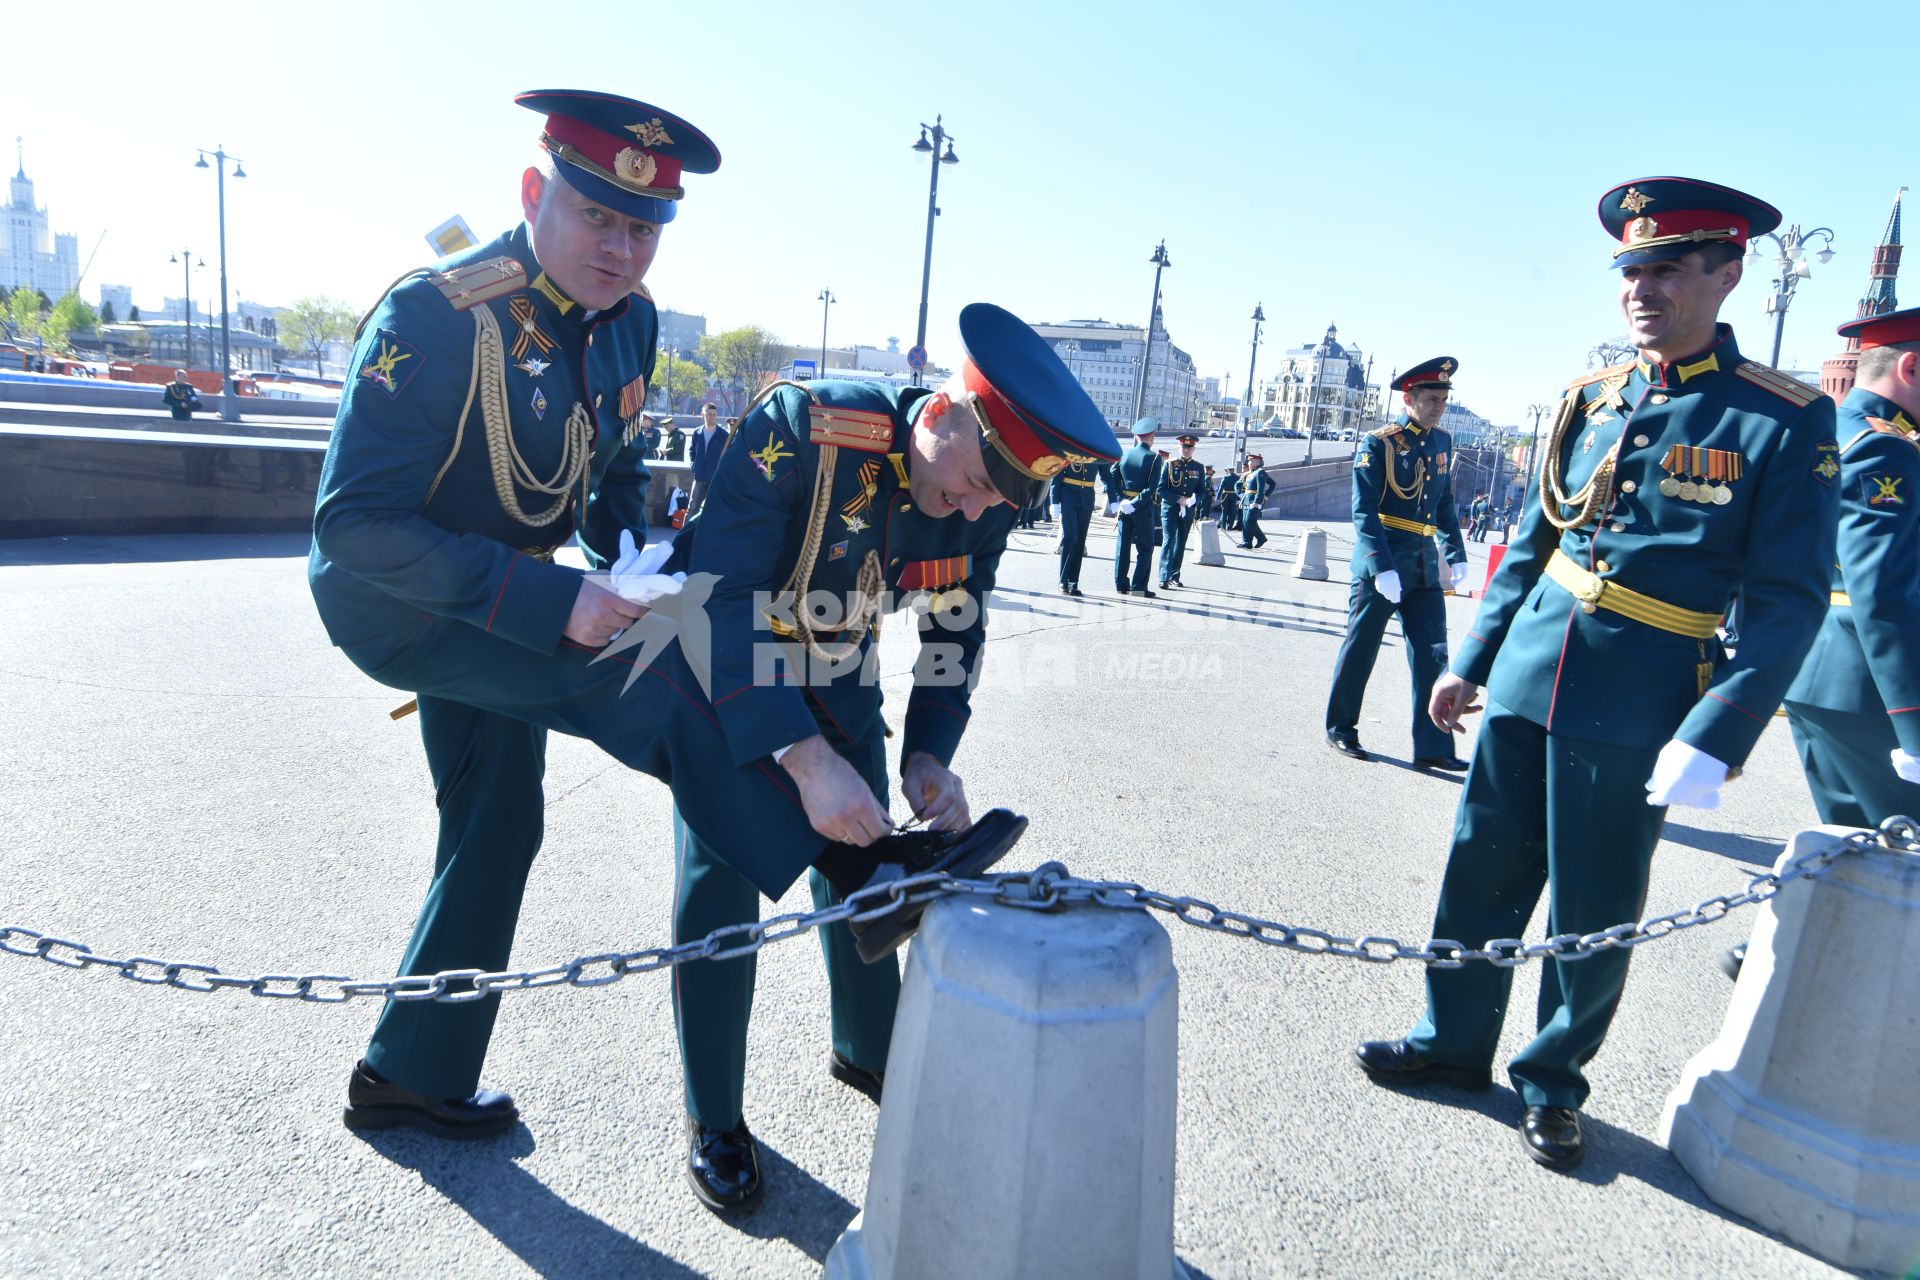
{"points": [[229, 411], [826, 300], [1160, 262], [932, 148], [1246, 419], [1793, 268], [1537, 411], [1313, 395], [185, 259]]}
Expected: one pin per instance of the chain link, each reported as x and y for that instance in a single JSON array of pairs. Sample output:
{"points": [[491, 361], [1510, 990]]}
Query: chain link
{"points": [[1043, 889]]}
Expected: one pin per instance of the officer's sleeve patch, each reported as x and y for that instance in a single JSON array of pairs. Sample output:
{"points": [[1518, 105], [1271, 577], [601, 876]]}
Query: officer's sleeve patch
{"points": [[1826, 461], [1882, 490], [391, 363], [771, 457]]}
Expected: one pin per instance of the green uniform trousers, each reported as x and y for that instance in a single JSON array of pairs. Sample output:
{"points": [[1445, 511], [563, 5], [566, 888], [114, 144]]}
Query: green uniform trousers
{"points": [[487, 771], [1423, 626], [1848, 762], [713, 1000], [1540, 809]]}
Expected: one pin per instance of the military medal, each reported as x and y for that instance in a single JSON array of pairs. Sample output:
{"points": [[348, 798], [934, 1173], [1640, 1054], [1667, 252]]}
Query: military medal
{"points": [[539, 403], [1670, 487], [1723, 495], [1688, 489]]}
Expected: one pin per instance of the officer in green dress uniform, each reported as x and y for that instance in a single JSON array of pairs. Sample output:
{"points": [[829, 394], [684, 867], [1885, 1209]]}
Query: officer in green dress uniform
{"points": [[1402, 496], [828, 474], [1855, 708], [1136, 476], [1666, 485], [1182, 483], [1229, 499], [492, 414], [1072, 495], [1255, 485]]}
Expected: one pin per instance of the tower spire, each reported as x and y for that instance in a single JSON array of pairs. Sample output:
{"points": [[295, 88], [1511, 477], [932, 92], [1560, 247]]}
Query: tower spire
{"points": [[20, 150], [1836, 375]]}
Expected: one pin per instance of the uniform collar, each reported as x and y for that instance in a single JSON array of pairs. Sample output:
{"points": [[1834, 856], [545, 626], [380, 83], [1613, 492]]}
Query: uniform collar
{"points": [[1406, 423], [1722, 356], [1869, 404]]}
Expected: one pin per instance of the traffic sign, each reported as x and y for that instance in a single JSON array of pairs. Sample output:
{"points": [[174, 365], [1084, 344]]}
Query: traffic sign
{"points": [[917, 358]]}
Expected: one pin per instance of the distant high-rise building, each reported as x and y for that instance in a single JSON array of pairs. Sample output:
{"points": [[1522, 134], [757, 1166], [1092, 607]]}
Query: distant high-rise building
{"points": [[1104, 358], [1836, 375], [681, 332], [1327, 379], [32, 256]]}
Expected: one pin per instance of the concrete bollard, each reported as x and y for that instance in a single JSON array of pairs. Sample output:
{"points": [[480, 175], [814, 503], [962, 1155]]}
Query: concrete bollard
{"points": [[1027, 1130], [1311, 560], [1802, 1116], [1210, 543]]}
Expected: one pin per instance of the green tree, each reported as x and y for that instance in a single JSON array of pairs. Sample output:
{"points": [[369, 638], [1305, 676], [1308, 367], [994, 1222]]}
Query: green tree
{"points": [[678, 378], [23, 314], [742, 357], [106, 314], [133, 314], [311, 323], [67, 317], [1609, 352]]}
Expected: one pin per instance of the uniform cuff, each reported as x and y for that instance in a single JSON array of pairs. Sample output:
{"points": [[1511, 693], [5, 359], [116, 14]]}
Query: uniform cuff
{"points": [[533, 603]]}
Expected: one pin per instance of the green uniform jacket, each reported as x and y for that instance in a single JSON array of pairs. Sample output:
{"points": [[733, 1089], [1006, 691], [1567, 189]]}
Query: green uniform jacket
{"points": [[1608, 678], [1072, 486], [410, 519], [1180, 478], [1254, 487], [751, 533], [1419, 463], [1866, 659]]}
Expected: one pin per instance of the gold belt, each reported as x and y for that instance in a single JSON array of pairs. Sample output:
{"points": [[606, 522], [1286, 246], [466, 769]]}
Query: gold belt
{"points": [[1840, 597], [1410, 526], [411, 705], [1133, 493], [1084, 484], [1594, 592]]}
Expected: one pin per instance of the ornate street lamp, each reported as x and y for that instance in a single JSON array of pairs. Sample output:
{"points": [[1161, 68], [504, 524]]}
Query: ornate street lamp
{"points": [[229, 411], [1160, 262], [932, 148], [1246, 418], [826, 300], [1792, 266], [185, 259]]}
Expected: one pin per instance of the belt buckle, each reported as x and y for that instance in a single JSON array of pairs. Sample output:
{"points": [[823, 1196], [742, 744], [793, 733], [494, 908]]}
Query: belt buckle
{"points": [[1591, 590]]}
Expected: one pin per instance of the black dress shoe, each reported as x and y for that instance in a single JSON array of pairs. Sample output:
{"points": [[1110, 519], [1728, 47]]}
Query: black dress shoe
{"points": [[1553, 1137], [1450, 764], [1399, 1064], [961, 854], [375, 1102], [1073, 589], [723, 1166], [1151, 595], [1168, 586], [1731, 959], [854, 1076], [1347, 743]]}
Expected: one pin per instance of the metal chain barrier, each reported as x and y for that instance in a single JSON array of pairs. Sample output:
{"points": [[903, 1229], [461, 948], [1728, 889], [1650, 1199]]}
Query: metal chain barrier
{"points": [[1042, 889]]}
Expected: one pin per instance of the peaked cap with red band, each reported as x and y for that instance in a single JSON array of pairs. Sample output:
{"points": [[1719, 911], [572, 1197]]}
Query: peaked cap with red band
{"points": [[1659, 219], [625, 154], [1437, 372], [1884, 330], [1031, 410]]}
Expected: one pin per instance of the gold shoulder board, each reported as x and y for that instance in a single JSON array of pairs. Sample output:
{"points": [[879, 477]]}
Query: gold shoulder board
{"points": [[1387, 432], [1789, 389], [850, 428], [641, 290], [469, 286]]}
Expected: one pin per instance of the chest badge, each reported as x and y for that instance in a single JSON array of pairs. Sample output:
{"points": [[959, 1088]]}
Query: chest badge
{"points": [[854, 511], [528, 335], [533, 366], [539, 403]]}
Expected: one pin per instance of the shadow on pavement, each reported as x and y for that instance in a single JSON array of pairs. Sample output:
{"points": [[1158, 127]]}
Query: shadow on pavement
{"points": [[551, 1236], [1751, 850], [799, 1208], [153, 548]]}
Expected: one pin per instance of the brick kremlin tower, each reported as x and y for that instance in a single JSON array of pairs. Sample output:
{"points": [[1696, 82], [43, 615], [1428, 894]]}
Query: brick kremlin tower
{"points": [[1836, 375]]}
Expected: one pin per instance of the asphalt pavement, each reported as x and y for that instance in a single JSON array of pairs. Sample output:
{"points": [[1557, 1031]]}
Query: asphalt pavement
{"points": [[192, 773]]}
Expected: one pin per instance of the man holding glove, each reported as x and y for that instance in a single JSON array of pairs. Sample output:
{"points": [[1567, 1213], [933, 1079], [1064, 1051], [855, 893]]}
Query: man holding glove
{"points": [[1136, 475], [1402, 496], [1667, 485], [1182, 481]]}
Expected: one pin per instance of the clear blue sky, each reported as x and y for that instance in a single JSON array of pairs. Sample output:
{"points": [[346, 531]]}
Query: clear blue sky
{"points": [[1422, 175]]}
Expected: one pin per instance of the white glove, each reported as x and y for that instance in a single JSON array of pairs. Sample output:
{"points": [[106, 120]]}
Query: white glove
{"points": [[1054, 511], [1906, 766], [1110, 510], [1126, 508], [1388, 584], [635, 575], [1686, 775], [1459, 575], [1186, 502]]}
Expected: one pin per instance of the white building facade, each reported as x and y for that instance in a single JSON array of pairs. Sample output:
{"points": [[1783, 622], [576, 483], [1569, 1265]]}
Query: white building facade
{"points": [[1104, 358], [31, 256], [1325, 382]]}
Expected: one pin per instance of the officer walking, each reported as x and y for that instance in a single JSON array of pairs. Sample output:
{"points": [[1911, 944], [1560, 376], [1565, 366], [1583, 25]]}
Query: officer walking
{"points": [[1183, 481], [1072, 497], [1255, 485], [1402, 496], [1136, 475], [1229, 499], [1667, 484]]}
